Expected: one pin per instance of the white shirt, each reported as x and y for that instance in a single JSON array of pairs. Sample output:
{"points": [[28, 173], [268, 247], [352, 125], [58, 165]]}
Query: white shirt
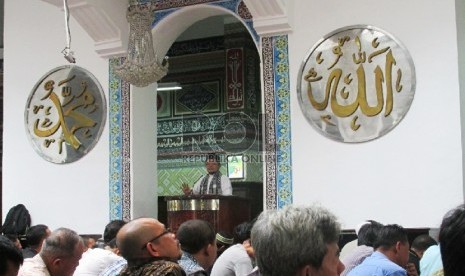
{"points": [[94, 261], [348, 248], [226, 188], [34, 266], [431, 261], [233, 262]]}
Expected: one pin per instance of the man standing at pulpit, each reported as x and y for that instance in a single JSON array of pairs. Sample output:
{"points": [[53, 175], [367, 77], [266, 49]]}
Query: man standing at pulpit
{"points": [[213, 182]]}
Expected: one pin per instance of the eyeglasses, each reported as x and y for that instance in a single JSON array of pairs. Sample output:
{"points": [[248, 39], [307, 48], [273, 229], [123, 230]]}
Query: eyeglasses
{"points": [[167, 231]]}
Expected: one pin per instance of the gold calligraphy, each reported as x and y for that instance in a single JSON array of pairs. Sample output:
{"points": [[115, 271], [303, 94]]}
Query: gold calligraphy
{"points": [[344, 84], [72, 110]]}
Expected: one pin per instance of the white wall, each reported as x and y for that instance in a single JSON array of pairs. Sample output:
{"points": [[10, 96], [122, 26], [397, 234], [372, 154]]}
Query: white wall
{"points": [[73, 195], [460, 13], [412, 175]]}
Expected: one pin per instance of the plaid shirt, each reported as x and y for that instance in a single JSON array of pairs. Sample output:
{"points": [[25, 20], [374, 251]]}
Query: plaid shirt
{"points": [[190, 265], [115, 268]]}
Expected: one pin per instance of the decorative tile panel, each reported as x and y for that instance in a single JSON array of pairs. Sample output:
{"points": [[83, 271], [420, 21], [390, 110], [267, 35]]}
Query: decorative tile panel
{"points": [[119, 145], [283, 122], [115, 143], [269, 121]]}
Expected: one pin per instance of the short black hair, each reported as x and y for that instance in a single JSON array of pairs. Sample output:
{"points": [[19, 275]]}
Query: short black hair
{"points": [[422, 242], [389, 235], [9, 253], [195, 234], [242, 232], [36, 235], [368, 233], [452, 242], [12, 237], [111, 229]]}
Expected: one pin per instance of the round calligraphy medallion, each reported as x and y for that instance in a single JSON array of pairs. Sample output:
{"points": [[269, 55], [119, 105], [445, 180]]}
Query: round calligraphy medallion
{"points": [[65, 114], [356, 84]]}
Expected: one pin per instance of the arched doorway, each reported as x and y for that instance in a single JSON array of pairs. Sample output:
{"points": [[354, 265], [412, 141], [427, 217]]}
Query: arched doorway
{"points": [[171, 22], [210, 101]]}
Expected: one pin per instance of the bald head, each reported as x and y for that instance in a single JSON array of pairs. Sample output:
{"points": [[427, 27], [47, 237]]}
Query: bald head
{"points": [[145, 238], [132, 236]]}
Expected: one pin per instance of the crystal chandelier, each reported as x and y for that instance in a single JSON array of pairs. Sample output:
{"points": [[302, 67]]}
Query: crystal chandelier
{"points": [[141, 66]]}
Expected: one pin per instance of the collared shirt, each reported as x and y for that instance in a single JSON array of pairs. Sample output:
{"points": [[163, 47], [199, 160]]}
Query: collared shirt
{"points": [[378, 265], [233, 262], [34, 266], [356, 257], [431, 261], [115, 268], [94, 261], [190, 265]]}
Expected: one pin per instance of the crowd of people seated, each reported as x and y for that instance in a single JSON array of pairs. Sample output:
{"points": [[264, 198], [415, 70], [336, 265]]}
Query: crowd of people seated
{"points": [[294, 241]]}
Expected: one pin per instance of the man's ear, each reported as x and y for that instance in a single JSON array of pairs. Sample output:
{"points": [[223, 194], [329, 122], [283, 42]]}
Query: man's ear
{"points": [[56, 262], [208, 249], [152, 250], [306, 271], [398, 245]]}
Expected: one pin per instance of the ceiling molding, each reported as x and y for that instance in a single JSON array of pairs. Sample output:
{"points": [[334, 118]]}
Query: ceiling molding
{"points": [[269, 17], [104, 21]]}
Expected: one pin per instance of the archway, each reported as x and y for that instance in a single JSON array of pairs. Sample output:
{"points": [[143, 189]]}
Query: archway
{"points": [[216, 107], [169, 24]]}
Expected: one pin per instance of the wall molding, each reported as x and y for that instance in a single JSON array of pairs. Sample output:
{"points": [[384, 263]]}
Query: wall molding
{"points": [[104, 21]]}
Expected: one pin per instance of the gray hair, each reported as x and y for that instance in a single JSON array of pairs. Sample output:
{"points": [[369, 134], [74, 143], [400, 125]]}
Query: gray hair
{"points": [[60, 243], [286, 240]]}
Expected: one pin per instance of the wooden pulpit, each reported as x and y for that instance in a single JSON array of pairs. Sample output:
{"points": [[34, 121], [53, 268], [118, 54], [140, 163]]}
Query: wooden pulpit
{"points": [[223, 212]]}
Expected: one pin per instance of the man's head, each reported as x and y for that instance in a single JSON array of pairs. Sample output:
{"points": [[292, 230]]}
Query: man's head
{"points": [[89, 242], [212, 163], [223, 241], [452, 241], [10, 257], [368, 232], [421, 243], [243, 231], [393, 242], [62, 251], [197, 238], [36, 235], [145, 239], [297, 241], [109, 234]]}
